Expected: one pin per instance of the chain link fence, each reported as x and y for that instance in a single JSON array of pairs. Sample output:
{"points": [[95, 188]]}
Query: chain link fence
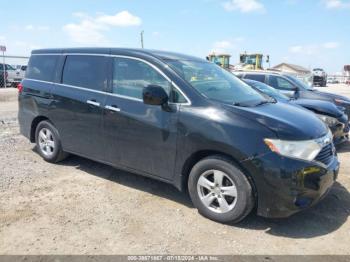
{"points": [[12, 70]]}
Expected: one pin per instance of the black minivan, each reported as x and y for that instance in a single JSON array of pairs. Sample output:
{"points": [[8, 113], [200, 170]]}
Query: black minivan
{"points": [[182, 120]]}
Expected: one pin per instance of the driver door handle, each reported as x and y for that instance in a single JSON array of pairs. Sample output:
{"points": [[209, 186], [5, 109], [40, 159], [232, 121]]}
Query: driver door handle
{"points": [[113, 108]]}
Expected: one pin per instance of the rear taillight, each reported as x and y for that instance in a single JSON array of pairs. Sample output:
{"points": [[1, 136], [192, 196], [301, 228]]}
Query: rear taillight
{"points": [[20, 87]]}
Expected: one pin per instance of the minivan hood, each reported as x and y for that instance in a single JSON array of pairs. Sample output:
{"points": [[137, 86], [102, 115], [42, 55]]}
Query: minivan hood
{"points": [[322, 107], [289, 122]]}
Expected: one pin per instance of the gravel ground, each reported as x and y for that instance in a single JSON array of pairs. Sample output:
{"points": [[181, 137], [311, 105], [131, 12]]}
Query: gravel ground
{"points": [[83, 207]]}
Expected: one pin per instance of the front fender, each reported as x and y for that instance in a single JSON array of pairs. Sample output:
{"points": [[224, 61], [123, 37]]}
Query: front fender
{"points": [[211, 130]]}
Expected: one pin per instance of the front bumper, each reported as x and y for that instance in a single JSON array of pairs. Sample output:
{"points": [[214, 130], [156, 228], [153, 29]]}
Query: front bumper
{"points": [[285, 186]]}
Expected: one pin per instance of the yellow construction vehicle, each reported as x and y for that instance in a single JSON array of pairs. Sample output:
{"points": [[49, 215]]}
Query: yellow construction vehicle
{"points": [[252, 61], [222, 60], [246, 61]]}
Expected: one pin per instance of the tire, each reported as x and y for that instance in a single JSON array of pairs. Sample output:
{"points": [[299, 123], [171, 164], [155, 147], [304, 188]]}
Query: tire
{"points": [[48, 142], [235, 190]]}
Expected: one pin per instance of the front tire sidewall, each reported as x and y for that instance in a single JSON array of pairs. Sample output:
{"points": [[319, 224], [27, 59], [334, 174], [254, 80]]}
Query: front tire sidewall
{"points": [[244, 202]]}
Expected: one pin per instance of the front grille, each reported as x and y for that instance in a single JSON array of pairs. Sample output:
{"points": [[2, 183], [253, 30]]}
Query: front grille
{"points": [[318, 78], [346, 128], [326, 154]]}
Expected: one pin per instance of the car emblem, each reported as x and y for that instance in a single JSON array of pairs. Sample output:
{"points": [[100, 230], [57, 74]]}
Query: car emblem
{"points": [[323, 141], [326, 141]]}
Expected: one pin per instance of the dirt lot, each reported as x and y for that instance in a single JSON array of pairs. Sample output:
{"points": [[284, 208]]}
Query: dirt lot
{"points": [[82, 207]]}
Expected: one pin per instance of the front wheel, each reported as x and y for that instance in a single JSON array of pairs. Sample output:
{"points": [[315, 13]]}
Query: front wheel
{"points": [[48, 142], [220, 191]]}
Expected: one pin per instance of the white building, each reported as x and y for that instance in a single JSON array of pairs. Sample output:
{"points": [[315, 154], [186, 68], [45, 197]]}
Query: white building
{"points": [[293, 69]]}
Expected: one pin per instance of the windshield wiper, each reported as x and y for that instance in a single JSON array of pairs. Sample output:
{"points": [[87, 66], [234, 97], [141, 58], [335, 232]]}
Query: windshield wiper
{"points": [[262, 102], [240, 104]]}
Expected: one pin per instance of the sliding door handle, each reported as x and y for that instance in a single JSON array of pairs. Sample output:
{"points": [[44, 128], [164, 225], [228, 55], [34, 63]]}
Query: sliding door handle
{"points": [[113, 108], [93, 102]]}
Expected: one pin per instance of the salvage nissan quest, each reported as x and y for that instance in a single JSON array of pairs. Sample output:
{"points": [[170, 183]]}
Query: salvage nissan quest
{"points": [[181, 120]]}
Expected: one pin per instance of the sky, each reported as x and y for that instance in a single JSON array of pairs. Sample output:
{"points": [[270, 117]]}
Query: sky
{"points": [[310, 33]]}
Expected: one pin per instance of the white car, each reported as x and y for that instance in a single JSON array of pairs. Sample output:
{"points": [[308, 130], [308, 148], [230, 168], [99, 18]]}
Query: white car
{"points": [[20, 72], [12, 78]]}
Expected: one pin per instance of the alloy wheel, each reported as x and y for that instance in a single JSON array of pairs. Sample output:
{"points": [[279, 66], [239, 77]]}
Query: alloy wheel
{"points": [[217, 191], [46, 142]]}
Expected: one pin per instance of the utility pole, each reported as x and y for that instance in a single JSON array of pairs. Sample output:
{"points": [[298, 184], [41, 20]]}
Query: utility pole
{"points": [[3, 49], [142, 39]]}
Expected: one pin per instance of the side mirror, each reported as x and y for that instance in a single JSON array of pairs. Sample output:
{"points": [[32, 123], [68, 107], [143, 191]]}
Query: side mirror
{"points": [[154, 95]]}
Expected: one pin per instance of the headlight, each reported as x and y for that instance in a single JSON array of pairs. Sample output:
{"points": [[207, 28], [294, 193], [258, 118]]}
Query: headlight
{"points": [[306, 150], [330, 121], [341, 101]]}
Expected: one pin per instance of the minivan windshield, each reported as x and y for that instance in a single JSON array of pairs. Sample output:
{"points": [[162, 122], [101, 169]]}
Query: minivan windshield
{"points": [[216, 83]]}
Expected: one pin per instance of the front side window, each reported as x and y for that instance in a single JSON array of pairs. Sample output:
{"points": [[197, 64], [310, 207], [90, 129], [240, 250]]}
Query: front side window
{"points": [[280, 83], [216, 83], [130, 76], [41, 67], [85, 71]]}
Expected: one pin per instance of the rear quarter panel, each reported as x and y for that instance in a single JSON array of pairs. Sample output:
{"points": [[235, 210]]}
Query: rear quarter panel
{"points": [[33, 101]]}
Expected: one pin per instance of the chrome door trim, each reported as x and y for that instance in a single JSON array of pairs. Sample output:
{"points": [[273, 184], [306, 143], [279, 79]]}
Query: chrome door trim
{"points": [[128, 57], [87, 89]]}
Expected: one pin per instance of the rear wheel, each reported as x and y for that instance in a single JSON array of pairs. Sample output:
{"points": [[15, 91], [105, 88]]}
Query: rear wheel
{"points": [[220, 191], [48, 142]]}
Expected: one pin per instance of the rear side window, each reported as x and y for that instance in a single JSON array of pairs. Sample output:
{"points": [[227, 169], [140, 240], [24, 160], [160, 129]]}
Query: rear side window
{"points": [[41, 67], [256, 77], [85, 71]]}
